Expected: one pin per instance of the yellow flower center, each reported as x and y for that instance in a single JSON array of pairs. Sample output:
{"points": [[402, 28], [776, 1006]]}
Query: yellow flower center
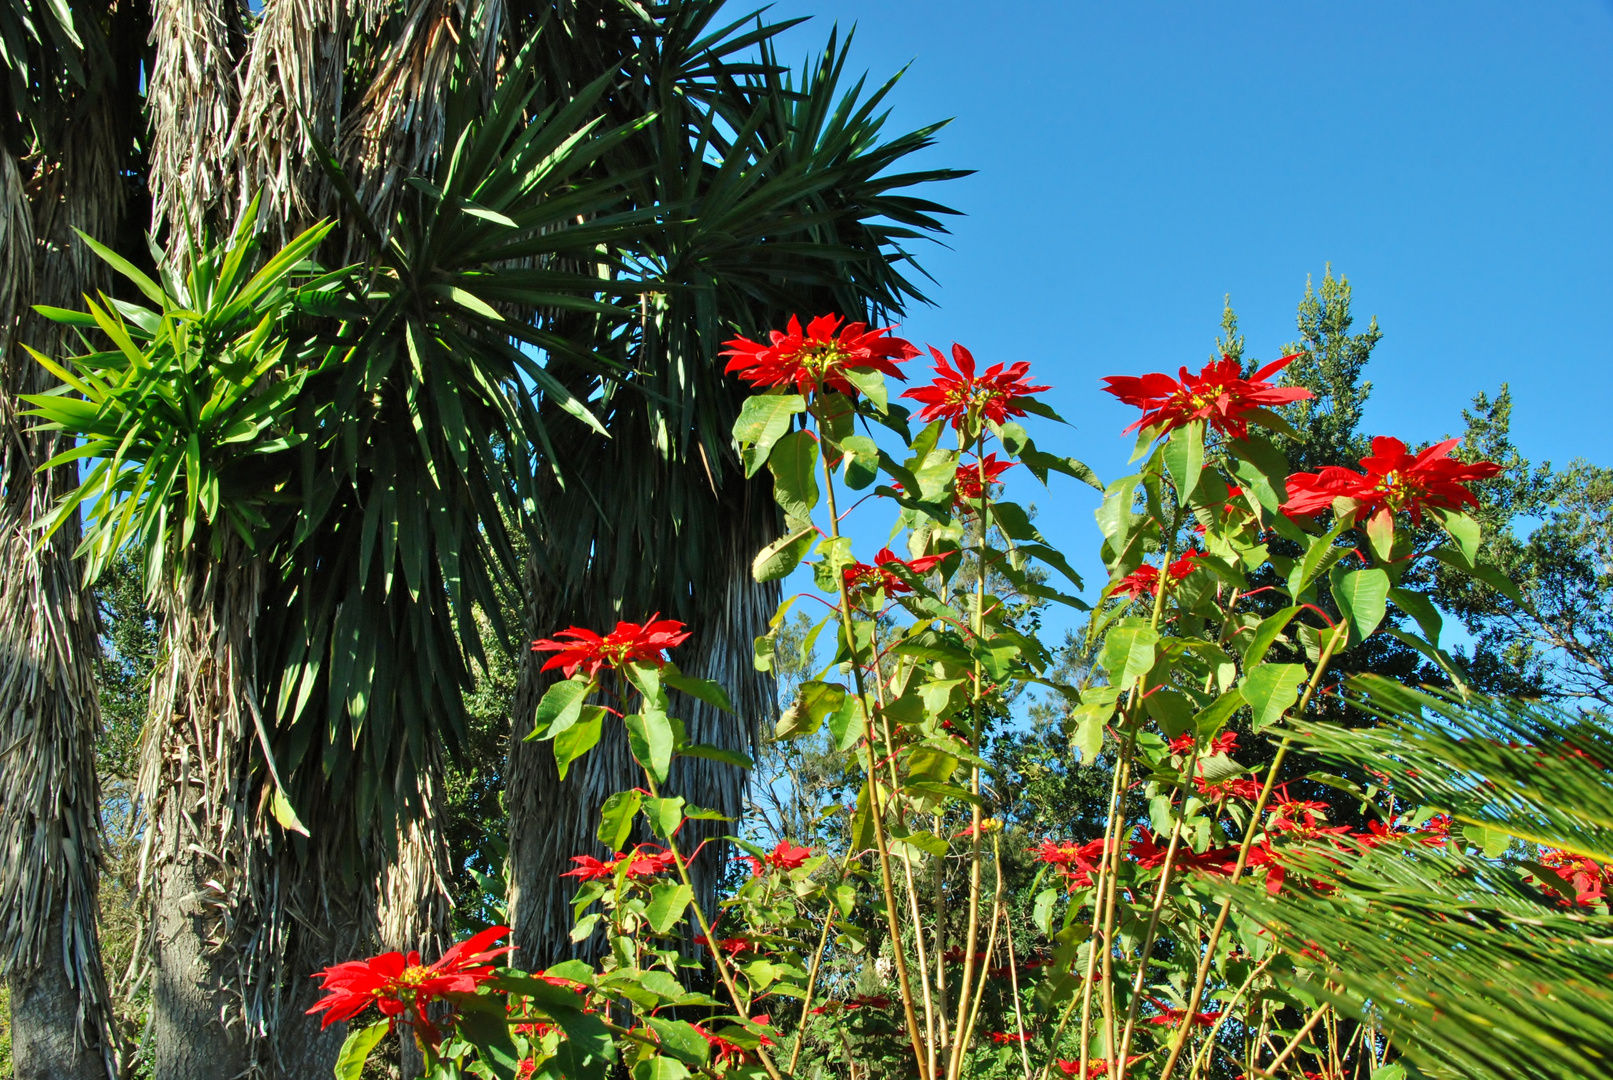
{"points": [[821, 358]]}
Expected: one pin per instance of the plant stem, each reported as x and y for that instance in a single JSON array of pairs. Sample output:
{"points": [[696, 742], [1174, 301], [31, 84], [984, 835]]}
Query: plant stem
{"points": [[1293, 1044], [812, 978], [1109, 841], [1013, 962], [1209, 1040], [1179, 1039], [1119, 1065], [875, 807], [972, 936], [723, 972], [907, 862]]}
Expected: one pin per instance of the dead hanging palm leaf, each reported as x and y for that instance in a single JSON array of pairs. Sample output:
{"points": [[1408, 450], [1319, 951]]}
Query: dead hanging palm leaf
{"points": [[399, 126], [192, 98], [292, 86], [49, 716]]}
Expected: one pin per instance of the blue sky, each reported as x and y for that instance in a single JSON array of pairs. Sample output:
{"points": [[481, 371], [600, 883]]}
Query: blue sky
{"points": [[1139, 161]]}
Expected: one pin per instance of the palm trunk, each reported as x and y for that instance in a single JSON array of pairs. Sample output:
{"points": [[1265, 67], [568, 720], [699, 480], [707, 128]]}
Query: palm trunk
{"points": [[50, 841], [416, 910], [195, 780], [551, 820]]}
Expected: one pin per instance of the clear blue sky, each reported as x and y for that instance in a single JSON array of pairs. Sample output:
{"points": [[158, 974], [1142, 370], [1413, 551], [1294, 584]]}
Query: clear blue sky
{"points": [[1137, 161]]}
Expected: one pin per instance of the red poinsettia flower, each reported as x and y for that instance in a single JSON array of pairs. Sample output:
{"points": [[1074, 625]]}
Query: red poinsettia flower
{"points": [[1586, 876], [1095, 1067], [401, 986], [1224, 743], [1220, 395], [1237, 789], [1303, 816], [1069, 853], [785, 856], [966, 485], [965, 398], [1168, 1015], [862, 578], [1395, 479], [818, 357], [1001, 1037], [589, 868], [646, 860], [628, 643], [1436, 831], [729, 945], [1144, 581]]}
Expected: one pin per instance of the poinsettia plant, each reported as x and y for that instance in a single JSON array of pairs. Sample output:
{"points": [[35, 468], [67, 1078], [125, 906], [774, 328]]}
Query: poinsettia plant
{"points": [[1139, 957]]}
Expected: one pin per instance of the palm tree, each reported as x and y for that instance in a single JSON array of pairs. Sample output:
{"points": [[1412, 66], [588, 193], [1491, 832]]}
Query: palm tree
{"points": [[800, 211], [493, 168], [66, 147]]}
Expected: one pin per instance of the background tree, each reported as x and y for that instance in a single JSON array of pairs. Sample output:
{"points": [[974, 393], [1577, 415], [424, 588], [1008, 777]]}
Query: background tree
{"points": [[1551, 532]]}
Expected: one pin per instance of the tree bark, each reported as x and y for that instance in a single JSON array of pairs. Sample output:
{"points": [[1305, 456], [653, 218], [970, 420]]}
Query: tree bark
{"points": [[46, 1044], [195, 1033], [210, 949]]}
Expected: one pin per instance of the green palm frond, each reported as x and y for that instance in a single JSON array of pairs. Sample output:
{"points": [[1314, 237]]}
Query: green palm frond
{"points": [[182, 420], [417, 473], [1472, 956]]}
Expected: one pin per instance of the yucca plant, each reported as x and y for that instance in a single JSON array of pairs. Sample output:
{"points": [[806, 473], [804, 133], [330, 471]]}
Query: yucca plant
{"points": [[779, 196], [185, 424]]}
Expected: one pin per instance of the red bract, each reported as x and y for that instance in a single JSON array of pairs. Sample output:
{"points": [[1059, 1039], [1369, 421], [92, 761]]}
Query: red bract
{"points": [[1377, 834], [1587, 876], [1095, 1067], [1238, 789], [644, 861], [862, 578], [966, 485], [1168, 1015], [1068, 852], [1436, 831], [729, 945], [1001, 1037], [1297, 815], [1224, 743], [819, 357], [628, 643], [721, 1048], [589, 868], [1219, 395], [1144, 581], [962, 397], [1394, 480], [785, 856], [400, 985]]}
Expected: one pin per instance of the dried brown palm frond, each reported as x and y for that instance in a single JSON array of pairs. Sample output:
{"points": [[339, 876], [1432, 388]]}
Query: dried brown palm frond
{"points": [[49, 714], [193, 99], [398, 127], [292, 84]]}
